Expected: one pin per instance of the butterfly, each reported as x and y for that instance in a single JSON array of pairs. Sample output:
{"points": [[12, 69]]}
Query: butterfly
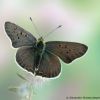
{"points": [[39, 57]]}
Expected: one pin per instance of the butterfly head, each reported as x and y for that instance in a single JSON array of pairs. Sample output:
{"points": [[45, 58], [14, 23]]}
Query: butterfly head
{"points": [[40, 39], [40, 43]]}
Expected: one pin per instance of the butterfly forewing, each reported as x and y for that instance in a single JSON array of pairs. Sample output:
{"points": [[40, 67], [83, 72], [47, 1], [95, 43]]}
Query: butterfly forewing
{"points": [[67, 51], [18, 35], [25, 58], [49, 65]]}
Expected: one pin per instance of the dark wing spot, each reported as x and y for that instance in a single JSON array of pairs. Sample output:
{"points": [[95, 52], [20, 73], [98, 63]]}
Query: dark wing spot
{"points": [[18, 37], [67, 52], [65, 46], [21, 33], [59, 45], [26, 35]]}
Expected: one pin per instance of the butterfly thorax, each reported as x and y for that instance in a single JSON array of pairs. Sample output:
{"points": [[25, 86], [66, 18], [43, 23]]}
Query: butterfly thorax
{"points": [[40, 44], [39, 51]]}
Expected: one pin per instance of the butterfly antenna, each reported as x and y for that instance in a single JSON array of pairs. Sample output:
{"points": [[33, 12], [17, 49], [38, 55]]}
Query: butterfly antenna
{"points": [[52, 31], [35, 27]]}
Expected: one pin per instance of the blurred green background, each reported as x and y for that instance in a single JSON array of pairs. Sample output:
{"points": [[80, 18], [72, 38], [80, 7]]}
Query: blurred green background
{"points": [[81, 23]]}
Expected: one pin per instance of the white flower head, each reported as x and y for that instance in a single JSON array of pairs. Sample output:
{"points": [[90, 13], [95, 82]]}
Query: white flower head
{"points": [[24, 91]]}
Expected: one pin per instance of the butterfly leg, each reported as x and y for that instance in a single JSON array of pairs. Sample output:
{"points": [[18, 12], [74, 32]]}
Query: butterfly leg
{"points": [[36, 69]]}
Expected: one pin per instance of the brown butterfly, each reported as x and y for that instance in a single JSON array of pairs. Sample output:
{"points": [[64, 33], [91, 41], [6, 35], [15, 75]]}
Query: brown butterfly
{"points": [[39, 57]]}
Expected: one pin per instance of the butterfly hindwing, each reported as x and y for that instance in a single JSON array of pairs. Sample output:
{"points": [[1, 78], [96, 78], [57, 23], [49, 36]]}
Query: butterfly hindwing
{"points": [[49, 65], [18, 35], [67, 51], [25, 58]]}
